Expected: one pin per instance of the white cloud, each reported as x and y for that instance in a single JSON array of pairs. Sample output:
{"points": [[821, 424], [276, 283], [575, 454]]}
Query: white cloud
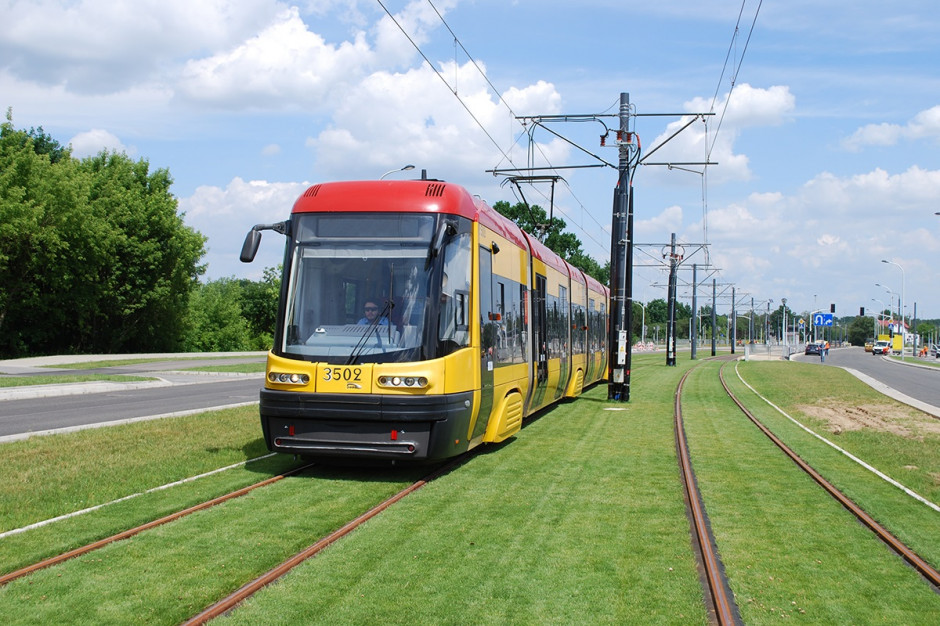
{"points": [[101, 46], [745, 107], [411, 117], [285, 66], [229, 212], [94, 141], [924, 125]]}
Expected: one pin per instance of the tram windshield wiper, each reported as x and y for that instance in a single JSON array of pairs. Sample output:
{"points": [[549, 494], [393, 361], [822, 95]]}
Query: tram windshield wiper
{"points": [[373, 326]]}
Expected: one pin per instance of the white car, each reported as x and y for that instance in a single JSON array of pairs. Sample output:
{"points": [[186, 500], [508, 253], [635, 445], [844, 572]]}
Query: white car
{"points": [[881, 347]]}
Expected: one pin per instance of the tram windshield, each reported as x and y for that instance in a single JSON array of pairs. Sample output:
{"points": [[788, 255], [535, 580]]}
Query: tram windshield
{"points": [[372, 287]]}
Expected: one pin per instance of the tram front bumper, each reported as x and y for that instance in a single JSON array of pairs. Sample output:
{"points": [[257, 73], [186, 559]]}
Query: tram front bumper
{"points": [[366, 425]]}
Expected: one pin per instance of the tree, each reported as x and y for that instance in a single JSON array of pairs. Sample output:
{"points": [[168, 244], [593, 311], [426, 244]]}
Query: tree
{"points": [[860, 330], [259, 300], [535, 221], [215, 318], [94, 256]]}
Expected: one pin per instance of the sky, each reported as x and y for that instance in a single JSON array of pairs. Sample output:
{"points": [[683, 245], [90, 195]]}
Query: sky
{"points": [[824, 143]]}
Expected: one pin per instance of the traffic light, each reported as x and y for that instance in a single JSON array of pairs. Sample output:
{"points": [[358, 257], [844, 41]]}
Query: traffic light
{"points": [[832, 308], [861, 311]]}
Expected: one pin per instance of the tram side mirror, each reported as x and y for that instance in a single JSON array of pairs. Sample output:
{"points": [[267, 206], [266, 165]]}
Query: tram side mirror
{"points": [[253, 239], [250, 247]]}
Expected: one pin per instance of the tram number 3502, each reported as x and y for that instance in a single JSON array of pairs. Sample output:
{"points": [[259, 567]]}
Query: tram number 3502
{"points": [[347, 374]]}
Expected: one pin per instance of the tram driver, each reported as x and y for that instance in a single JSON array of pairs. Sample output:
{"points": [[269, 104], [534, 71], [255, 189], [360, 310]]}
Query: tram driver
{"points": [[370, 312]]}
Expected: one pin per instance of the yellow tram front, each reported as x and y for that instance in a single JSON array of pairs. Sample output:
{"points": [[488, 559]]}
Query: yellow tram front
{"points": [[372, 354]]}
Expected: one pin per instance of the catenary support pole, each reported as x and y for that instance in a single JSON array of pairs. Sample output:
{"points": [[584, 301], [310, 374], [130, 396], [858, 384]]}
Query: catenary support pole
{"points": [[621, 283]]}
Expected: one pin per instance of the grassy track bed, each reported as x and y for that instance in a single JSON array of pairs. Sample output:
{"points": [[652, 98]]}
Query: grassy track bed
{"points": [[578, 520], [169, 573], [899, 441], [789, 550], [48, 477]]}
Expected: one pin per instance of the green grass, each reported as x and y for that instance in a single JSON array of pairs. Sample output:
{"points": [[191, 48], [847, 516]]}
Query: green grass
{"points": [[789, 550], [52, 475], [910, 456], [929, 361], [25, 381], [87, 365], [577, 519], [242, 368]]}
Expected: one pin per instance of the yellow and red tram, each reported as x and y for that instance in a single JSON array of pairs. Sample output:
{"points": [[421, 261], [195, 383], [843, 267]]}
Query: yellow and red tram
{"points": [[472, 324]]}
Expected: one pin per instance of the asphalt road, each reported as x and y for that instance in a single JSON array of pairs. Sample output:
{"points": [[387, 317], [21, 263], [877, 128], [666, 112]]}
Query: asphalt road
{"points": [[921, 383], [53, 413], [58, 407]]}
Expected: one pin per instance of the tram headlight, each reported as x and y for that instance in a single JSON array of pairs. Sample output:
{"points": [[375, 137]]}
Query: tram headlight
{"points": [[289, 378], [403, 382]]}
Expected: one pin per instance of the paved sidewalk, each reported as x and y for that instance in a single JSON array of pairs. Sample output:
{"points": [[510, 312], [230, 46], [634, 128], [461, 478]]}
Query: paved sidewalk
{"points": [[46, 366]]}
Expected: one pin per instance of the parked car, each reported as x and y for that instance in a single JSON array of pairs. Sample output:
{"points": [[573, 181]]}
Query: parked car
{"points": [[881, 347]]}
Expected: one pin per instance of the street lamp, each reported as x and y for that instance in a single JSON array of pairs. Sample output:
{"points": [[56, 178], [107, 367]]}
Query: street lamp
{"points": [[401, 169], [903, 325], [893, 296], [880, 315], [643, 324]]}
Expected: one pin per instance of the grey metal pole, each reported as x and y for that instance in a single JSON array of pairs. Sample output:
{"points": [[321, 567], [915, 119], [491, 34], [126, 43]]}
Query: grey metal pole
{"points": [[671, 328], [693, 336], [714, 318], [734, 323]]}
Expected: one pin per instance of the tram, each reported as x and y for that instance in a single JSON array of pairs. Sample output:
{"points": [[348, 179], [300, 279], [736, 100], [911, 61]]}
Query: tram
{"points": [[415, 323]]}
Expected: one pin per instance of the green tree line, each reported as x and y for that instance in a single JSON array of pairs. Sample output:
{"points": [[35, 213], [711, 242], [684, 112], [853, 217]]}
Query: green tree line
{"points": [[95, 257]]}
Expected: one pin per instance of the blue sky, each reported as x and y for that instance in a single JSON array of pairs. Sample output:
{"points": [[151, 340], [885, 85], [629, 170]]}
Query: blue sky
{"points": [[828, 150]]}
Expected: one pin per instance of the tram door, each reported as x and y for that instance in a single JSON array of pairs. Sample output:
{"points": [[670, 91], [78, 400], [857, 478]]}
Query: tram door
{"points": [[489, 326], [540, 340]]}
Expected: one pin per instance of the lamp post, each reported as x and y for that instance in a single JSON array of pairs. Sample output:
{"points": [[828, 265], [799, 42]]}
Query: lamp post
{"points": [[767, 324], [903, 325], [880, 315], [643, 326], [894, 298], [400, 169]]}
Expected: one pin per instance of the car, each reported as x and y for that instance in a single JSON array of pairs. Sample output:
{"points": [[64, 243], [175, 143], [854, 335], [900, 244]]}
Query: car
{"points": [[881, 347], [813, 348], [868, 345]]}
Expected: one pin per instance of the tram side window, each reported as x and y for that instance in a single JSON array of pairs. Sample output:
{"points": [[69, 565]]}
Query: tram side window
{"points": [[455, 292], [509, 300]]}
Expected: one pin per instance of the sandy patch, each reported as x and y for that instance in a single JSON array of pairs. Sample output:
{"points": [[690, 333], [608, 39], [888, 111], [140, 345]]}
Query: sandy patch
{"points": [[897, 420]]}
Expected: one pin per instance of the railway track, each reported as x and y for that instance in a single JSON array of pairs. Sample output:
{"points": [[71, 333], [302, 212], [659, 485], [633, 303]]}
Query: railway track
{"points": [[915, 560], [718, 596], [247, 590], [71, 554], [235, 598]]}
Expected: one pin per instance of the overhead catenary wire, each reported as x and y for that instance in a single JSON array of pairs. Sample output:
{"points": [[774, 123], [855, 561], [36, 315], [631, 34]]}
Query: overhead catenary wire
{"points": [[444, 80], [506, 156]]}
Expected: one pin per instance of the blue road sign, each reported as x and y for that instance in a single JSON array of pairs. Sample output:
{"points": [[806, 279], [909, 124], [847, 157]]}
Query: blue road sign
{"points": [[822, 319]]}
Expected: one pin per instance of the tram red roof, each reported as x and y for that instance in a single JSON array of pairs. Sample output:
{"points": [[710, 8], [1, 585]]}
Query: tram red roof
{"points": [[428, 196], [421, 196]]}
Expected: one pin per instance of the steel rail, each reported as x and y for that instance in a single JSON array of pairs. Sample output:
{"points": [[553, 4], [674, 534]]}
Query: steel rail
{"points": [[247, 590], [718, 596], [29, 569], [918, 563]]}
